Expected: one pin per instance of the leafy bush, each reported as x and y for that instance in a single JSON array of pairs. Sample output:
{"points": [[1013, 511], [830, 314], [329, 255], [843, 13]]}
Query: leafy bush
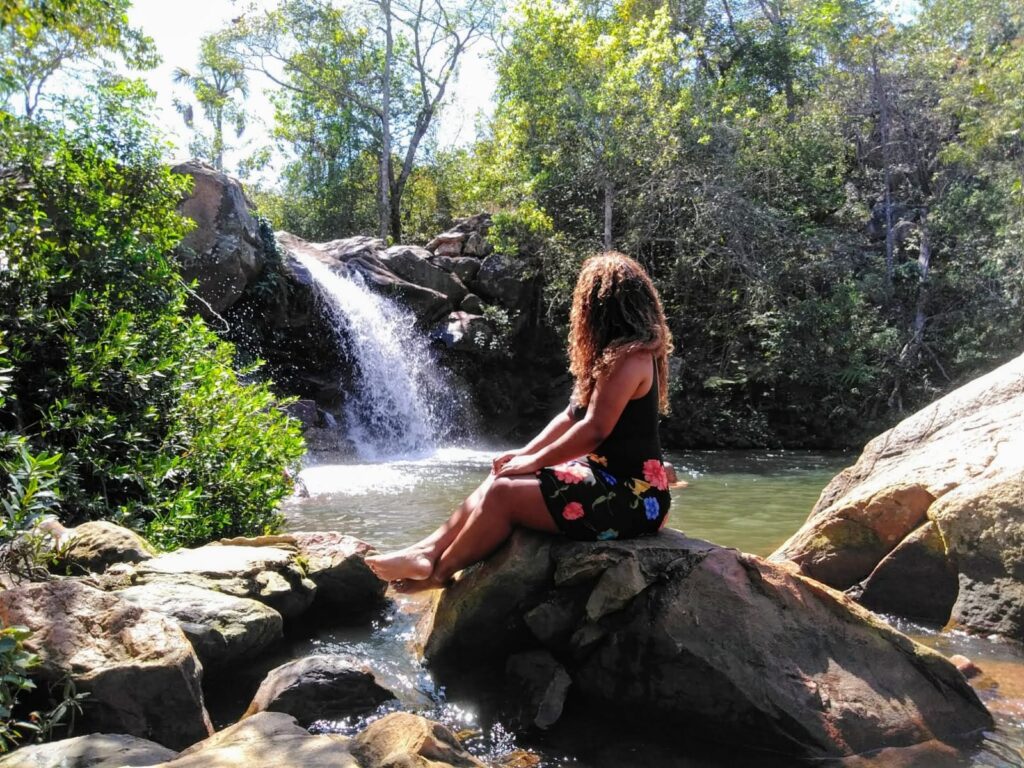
{"points": [[153, 426]]}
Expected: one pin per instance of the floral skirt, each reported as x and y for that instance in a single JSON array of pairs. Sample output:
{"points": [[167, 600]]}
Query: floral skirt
{"points": [[589, 502]]}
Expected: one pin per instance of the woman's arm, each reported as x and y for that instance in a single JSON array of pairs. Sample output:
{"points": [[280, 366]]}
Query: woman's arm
{"points": [[555, 429], [611, 393]]}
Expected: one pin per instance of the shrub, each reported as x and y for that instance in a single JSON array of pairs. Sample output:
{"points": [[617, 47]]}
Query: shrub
{"points": [[153, 425]]}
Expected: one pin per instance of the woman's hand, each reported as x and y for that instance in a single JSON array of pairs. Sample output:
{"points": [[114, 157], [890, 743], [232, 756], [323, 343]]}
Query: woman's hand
{"points": [[502, 460], [519, 465]]}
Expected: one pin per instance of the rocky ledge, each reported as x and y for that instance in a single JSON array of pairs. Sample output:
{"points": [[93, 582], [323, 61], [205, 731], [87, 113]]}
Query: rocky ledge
{"points": [[692, 639], [929, 523]]}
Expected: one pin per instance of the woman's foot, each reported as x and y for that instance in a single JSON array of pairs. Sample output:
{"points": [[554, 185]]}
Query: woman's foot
{"points": [[411, 564], [412, 586]]}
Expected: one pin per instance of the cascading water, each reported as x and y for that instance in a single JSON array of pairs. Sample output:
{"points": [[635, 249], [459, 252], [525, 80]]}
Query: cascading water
{"points": [[403, 403]]}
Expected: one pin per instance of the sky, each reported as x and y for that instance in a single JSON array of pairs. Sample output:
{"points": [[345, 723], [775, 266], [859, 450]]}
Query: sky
{"points": [[176, 28]]}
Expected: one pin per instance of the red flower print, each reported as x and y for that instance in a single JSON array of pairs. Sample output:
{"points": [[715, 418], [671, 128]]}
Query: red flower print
{"points": [[572, 473], [654, 473], [573, 511]]}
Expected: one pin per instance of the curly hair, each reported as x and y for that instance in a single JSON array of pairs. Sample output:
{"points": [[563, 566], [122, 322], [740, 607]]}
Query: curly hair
{"points": [[615, 311]]}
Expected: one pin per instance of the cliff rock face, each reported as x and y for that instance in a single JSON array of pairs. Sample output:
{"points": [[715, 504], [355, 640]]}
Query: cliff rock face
{"points": [[689, 637], [939, 496]]}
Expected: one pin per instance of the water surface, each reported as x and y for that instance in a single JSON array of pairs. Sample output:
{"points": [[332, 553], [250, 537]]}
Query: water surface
{"points": [[751, 500]]}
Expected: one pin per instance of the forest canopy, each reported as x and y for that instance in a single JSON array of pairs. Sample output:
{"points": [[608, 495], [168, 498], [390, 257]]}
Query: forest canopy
{"points": [[828, 194]]}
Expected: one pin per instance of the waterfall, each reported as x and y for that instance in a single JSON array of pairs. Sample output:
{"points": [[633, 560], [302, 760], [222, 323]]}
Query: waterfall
{"points": [[403, 402]]}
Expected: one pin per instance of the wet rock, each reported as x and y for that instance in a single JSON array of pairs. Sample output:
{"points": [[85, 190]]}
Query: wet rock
{"points": [[684, 632], [223, 629], [403, 740], [139, 670], [336, 564], [224, 252], [540, 684], [97, 750], [472, 304], [413, 264], [267, 574], [918, 579], [267, 739], [306, 412], [958, 462], [93, 547], [967, 667], [320, 687]]}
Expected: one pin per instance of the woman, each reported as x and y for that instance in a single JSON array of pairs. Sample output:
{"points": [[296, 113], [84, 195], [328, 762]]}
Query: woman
{"points": [[618, 353]]}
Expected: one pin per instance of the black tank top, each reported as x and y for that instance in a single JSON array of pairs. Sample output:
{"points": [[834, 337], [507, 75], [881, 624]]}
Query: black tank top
{"points": [[634, 438]]}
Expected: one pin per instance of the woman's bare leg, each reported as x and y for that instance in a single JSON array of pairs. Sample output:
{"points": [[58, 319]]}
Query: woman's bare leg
{"points": [[507, 503], [416, 561]]}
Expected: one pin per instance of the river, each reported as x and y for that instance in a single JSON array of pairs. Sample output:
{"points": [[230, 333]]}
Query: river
{"points": [[751, 500]]}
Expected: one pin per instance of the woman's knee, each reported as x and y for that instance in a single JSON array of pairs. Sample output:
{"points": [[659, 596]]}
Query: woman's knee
{"points": [[498, 496]]}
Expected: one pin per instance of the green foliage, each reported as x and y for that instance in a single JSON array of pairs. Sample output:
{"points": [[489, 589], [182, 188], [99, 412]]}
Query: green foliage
{"points": [[40, 40], [16, 665], [152, 425]]}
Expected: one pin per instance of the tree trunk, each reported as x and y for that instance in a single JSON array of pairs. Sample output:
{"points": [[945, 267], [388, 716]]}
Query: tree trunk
{"points": [[396, 210], [609, 199], [883, 130], [385, 202]]}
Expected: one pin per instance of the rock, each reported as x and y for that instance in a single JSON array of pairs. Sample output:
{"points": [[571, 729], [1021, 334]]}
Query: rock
{"points": [[364, 256], [503, 279], [541, 684], [447, 244], [472, 304], [97, 750], [139, 670], [306, 412], [475, 245], [93, 546], [464, 333], [958, 462], [267, 574], [667, 631], [403, 740], [267, 739], [917, 579], [336, 564], [224, 252], [223, 629], [967, 667], [320, 687], [983, 525], [413, 264], [466, 267]]}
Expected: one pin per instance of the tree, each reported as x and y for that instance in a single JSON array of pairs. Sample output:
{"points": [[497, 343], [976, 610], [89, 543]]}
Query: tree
{"points": [[388, 64], [39, 42], [218, 84]]}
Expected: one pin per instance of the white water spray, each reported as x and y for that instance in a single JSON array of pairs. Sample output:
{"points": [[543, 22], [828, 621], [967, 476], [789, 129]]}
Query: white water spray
{"points": [[403, 402]]}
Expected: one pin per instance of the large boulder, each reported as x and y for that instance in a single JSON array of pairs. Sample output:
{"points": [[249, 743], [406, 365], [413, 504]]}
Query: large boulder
{"points": [[336, 564], [93, 546], [138, 669], [270, 575], [320, 687], [223, 252], [267, 739], [958, 463], [672, 631], [223, 629]]}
